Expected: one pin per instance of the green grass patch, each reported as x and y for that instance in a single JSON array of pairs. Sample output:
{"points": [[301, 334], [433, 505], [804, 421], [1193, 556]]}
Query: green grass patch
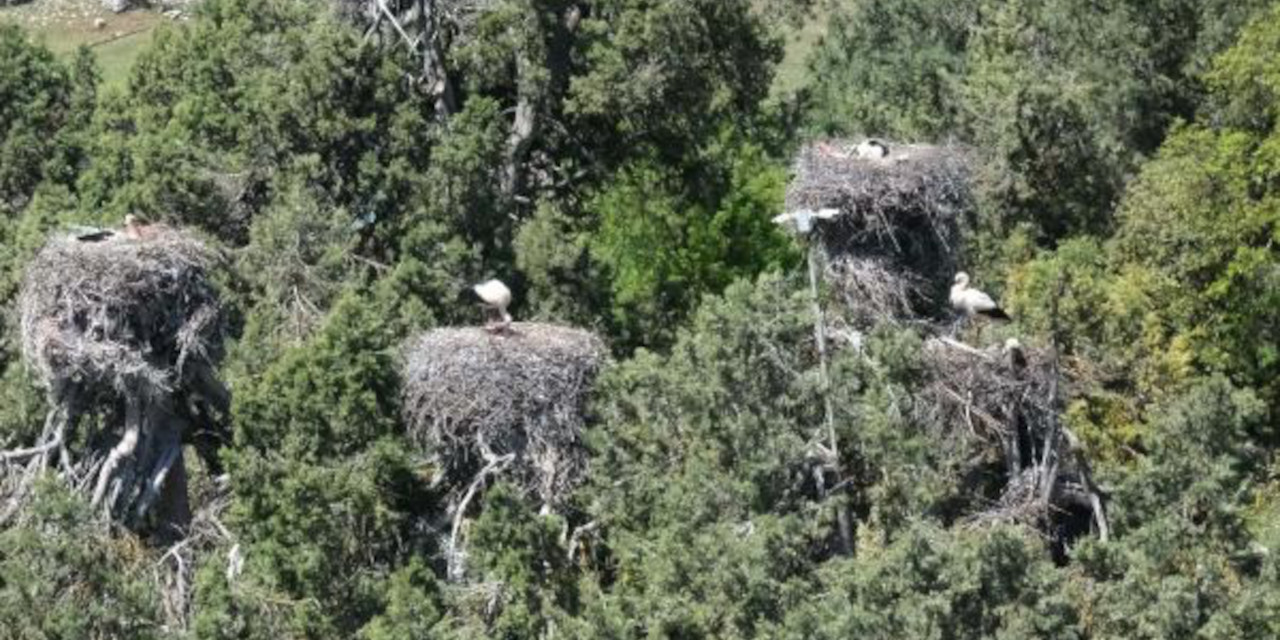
{"points": [[116, 44]]}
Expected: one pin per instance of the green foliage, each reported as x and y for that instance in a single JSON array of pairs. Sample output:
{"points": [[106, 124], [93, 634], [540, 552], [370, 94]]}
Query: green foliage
{"points": [[324, 485], [892, 68], [936, 583], [61, 577], [663, 250], [1048, 98], [665, 74], [23, 405], [464, 176], [1062, 100], [39, 98], [245, 103], [45, 106], [552, 254], [328, 397], [1197, 228], [523, 552], [699, 467], [1185, 556], [412, 606], [1201, 447]]}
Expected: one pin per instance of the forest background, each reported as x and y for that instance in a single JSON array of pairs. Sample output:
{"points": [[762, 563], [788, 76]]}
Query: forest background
{"points": [[1126, 181]]}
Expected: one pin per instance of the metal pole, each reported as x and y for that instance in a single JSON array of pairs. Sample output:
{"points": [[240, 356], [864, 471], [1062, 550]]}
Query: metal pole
{"points": [[820, 335], [843, 523]]}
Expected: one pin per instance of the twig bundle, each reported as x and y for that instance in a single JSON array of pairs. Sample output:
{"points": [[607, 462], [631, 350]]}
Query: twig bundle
{"points": [[129, 329], [894, 245], [473, 397], [1006, 400], [120, 314], [512, 404]]}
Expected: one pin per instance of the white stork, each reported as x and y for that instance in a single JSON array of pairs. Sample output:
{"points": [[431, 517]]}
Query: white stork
{"points": [[872, 149], [801, 220], [496, 297], [972, 302], [1017, 358]]}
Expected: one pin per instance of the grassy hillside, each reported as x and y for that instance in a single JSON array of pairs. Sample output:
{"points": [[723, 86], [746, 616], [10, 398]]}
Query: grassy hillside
{"points": [[65, 25]]}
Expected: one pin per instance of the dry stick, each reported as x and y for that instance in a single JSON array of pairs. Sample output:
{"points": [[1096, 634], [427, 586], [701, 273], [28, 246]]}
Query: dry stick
{"points": [[969, 407], [433, 69], [496, 465], [15, 499], [127, 445], [1086, 479], [964, 347], [66, 416], [576, 538], [173, 447], [1049, 469], [18, 454], [382, 5], [820, 335], [121, 36], [373, 28]]}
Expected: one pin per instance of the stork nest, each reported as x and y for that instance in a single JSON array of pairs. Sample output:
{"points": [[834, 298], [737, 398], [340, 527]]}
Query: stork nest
{"points": [[120, 315], [987, 395], [127, 332], [1004, 401], [473, 397], [872, 289], [897, 231]]}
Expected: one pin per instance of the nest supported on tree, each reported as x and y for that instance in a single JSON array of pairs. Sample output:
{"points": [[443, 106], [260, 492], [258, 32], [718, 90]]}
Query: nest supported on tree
{"points": [[124, 333], [893, 246], [1006, 401], [509, 404], [473, 397]]}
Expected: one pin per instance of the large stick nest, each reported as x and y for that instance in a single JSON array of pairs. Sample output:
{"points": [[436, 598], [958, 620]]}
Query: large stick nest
{"points": [[473, 397], [894, 245], [124, 331], [1004, 401], [120, 315]]}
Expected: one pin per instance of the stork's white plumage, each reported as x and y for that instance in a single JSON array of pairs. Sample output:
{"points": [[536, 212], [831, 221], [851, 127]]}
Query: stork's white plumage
{"points": [[973, 302], [1014, 354], [495, 296], [872, 149], [801, 220]]}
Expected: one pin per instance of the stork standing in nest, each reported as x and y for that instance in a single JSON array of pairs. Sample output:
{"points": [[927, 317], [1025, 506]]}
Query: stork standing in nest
{"points": [[495, 297], [971, 302], [872, 149]]}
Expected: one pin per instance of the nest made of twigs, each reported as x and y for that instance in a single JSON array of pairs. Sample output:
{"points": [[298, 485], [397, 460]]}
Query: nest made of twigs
{"points": [[876, 196], [1006, 401], [473, 396], [120, 314], [987, 394], [896, 234]]}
